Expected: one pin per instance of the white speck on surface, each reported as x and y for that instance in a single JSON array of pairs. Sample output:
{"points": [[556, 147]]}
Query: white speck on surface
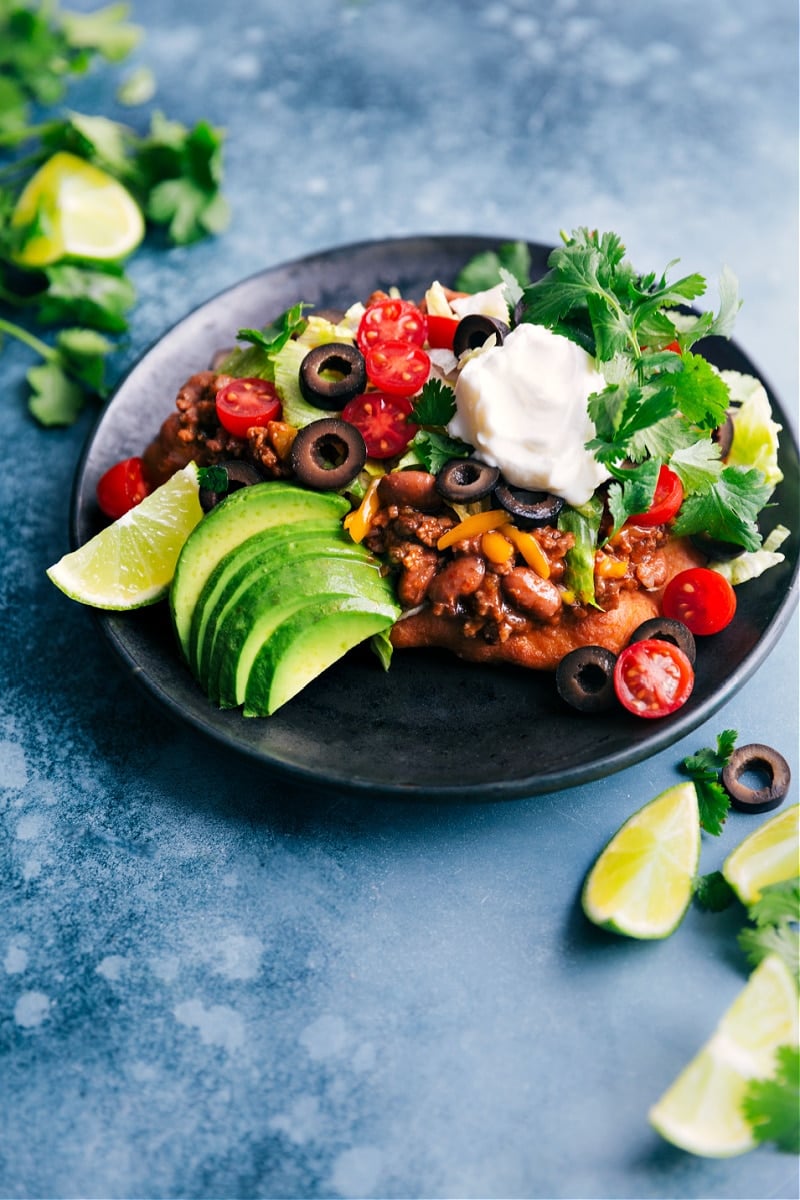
{"points": [[112, 966], [325, 1038], [165, 968], [219, 1025], [31, 1009], [13, 768], [356, 1171], [237, 957], [31, 869], [317, 185], [364, 1057], [301, 1122], [16, 959], [245, 67]]}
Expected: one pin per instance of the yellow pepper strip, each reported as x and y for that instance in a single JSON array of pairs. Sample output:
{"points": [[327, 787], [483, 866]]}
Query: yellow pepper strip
{"points": [[357, 522], [481, 522], [609, 568], [496, 547], [530, 550]]}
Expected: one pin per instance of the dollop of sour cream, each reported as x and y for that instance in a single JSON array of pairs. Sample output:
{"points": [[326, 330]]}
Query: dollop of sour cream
{"points": [[522, 405]]}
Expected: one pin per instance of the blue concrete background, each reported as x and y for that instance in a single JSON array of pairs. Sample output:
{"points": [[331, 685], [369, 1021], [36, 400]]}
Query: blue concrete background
{"points": [[211, 986]]}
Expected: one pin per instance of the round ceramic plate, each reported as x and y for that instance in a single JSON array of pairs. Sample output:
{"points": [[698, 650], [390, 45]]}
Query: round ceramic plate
{"points": [[431, 726]]}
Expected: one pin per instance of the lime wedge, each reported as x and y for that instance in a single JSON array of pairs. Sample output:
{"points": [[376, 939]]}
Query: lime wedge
{"points": [[702, 1110], [131, 563], [770, 854], [641, 884], [72, 209]]}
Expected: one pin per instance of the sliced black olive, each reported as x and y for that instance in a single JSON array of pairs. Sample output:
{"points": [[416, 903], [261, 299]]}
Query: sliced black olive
{"points": [[234, 475], [530, 508], [585, 678], [332, 374], [328, 454], [723, 436], [667, 630], [463, 480], [762, 762], [474, 329], [715, 548]]}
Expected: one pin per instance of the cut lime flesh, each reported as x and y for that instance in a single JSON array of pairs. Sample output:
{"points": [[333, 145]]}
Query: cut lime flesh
{"points": [[770, 854]]}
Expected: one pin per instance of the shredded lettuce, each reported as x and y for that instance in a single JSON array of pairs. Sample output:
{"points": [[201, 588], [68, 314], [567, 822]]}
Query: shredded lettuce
{"points": [[754, 562], [286, 368], [584, 522], [755, 433]]}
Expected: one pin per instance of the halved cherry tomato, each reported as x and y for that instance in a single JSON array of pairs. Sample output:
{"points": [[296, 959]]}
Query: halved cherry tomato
{"points": [[122, 487], [382, 421], [701, 598], [391, 321], [397, 367], [244, 403], [667, 500], [441, 331], [653, 678]]}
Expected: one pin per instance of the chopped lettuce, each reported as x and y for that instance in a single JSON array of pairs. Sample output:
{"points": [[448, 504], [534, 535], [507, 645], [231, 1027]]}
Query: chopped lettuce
{"points": [[286, 368], [755, 433], [584, 522], [754, 562]]}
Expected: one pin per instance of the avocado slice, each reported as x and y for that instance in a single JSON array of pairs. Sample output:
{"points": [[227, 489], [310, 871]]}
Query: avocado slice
{"points": [[306, 643], [253, 559], [246, 622], [241, 514]]}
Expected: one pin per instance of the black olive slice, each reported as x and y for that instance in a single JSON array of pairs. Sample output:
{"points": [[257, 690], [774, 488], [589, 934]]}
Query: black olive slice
{"points": [[715, 548], [723, 436], [764, 763], [332, 374], [474, 329], [530, 508], [238, 474], [667, 630], [463, 480], [328, 454], [585, 678]]}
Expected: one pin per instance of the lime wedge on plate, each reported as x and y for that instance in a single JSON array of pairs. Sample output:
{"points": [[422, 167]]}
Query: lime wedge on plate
{"points": [[72, 209], [770, 854], [131, 563], [641, 884], [702, 1110]]}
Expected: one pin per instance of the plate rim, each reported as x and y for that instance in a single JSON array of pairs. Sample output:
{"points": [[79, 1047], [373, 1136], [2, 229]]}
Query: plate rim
{"points": [[666, 733]]}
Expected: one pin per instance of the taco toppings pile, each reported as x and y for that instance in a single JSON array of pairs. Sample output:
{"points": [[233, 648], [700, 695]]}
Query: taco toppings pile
{"points": [[539, 473]]}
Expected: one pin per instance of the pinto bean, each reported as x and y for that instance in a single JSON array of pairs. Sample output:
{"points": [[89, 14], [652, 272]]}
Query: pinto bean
{"points": [[414, 488], [462, 576], [531, 594]]}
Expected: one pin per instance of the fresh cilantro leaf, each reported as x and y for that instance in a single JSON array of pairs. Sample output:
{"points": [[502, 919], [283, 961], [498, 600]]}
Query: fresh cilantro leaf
{"points": [[779, 902], [697, 391], [774, 929], [434, 449], [697, 465], [704, 769], [83, 353], [137, 88], [757, 943], [274, 337], [713, 892], [97, 297], [215, 478], [728, 509], [632, 492], [771, 1106], [99, 140], [56, 398], [435, 405], [178, 174], [664, 439], [485, 270], [104, 30]]}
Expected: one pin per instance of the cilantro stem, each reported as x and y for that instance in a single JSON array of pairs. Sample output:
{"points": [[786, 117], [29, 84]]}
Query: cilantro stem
{"points": [[29, 339], [15, 137]]}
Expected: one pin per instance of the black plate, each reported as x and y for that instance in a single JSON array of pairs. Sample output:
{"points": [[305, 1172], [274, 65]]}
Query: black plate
{"points": [[432, 726]]}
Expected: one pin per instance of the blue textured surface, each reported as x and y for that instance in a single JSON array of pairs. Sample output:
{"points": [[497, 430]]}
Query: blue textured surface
{"points": [[210, 986]]}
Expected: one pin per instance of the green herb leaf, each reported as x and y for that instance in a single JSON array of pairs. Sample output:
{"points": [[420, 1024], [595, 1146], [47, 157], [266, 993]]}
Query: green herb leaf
{"points": [[713, 892], [770, 1106], [435, 405], [56, 399], [728, 509], [94, 296], [83, 353], [774, 929], [433, 449], [104, 30], [215, 478], [484, 271], [178, 174], [632, 492], [704, 769]]}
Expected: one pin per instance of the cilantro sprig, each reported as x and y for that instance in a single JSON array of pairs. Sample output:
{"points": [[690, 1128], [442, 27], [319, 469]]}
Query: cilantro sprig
{"points": [[770, 1106], [704, 769], [173, 172]]}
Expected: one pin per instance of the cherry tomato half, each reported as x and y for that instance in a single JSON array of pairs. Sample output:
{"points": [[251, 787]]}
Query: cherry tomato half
{"points": [[441, 331], [122, 487], [391, 321], [653, 678], [667, 500], [382, 421], [397, 367], [243, 403], [701, 598]]}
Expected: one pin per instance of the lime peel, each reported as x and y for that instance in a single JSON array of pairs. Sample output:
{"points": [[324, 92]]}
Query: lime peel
{"points": [[131, 562], [701, 1111], [641, 883]]}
